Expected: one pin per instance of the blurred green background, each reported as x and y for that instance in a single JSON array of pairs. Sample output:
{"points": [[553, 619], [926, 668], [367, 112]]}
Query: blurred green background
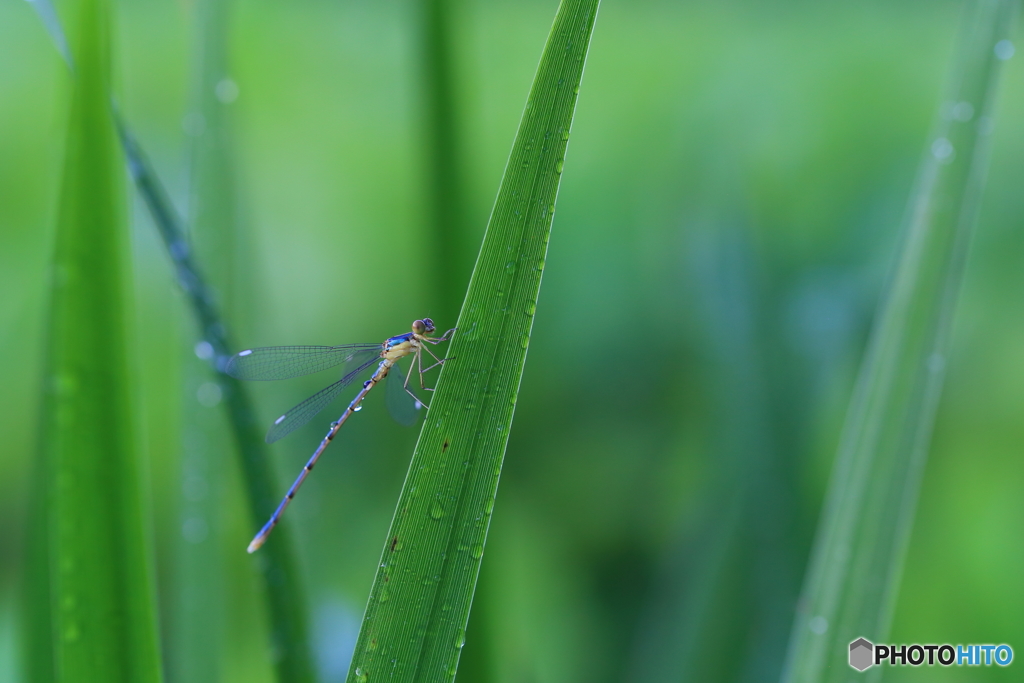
{"points": [[729, 212]]}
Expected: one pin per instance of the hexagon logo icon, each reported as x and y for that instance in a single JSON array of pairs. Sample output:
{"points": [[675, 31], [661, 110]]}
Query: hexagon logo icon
{"points": [[860, 654]]}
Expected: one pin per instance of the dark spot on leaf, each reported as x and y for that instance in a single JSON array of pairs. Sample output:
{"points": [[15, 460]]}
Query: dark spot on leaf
{"points": [[394, 543], [445, 446]]}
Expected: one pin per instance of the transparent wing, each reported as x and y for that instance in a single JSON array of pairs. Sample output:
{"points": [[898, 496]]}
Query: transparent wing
{"points": [[284, 362], [406, 409], [305, 411]]}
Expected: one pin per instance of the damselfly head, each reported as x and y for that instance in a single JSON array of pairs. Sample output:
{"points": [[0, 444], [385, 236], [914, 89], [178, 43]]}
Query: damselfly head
{"points": [[425, 326]]}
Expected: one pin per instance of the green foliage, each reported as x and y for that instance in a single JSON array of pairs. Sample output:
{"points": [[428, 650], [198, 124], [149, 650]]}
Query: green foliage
{"points": [[858, 557], [445, 185], [207, 621], [415, 623], [200, 571], [103, 613], [737, 176]]}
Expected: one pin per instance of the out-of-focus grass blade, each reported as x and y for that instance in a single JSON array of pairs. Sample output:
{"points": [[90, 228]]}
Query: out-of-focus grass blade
{"points": [[283, 587], [285, 599], [36, 621], [414, 627], [446, 190], [852, 582], [103, 603], [51, 22], [206, 623]]}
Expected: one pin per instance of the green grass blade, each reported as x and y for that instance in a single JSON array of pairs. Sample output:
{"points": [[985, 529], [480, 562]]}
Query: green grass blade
{"points": [[103, 603], [36, 620], [207, 621], [446, 191], [852, 583], [415, 621], [51, 22], [284, 593]]}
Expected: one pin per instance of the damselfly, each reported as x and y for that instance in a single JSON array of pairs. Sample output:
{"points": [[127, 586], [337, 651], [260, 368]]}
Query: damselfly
{"points": [[284, 362]]}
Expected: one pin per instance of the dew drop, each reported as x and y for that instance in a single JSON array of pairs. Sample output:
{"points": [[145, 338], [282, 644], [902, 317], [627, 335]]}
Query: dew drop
{"points": [[477, 552], [558, 166], [942, 149], [460, 639], [204, 350], [384, 596], [361, 676], [436, 511], [962, 111], [489, 508], [358, 408], [226, 91], [209, 394]]}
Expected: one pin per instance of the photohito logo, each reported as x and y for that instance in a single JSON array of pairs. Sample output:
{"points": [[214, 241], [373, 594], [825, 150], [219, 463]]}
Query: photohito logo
{"points": [[865, 654]]}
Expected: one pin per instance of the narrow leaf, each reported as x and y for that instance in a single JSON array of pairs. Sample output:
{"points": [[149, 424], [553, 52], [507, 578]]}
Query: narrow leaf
{"points": [[284, 592], [283, 588], [415, 622], [852, 583], [103, 607], [446, 191]]}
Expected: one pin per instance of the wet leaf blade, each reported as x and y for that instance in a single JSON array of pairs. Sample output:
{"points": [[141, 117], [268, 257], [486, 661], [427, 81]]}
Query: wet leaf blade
{"points": [[98, 555], [415, 622], [852, 584]]}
